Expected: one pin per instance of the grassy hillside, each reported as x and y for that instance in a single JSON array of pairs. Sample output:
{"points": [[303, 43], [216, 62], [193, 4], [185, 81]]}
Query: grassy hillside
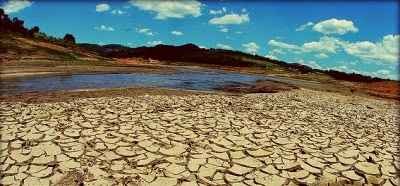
{"points": [[15, 47]]}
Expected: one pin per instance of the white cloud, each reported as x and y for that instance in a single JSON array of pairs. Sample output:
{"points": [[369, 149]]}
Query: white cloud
{"points": [[384, 52], [271, 57], [325, 44], [282, 44], [203, 47], [154, 43], [227, 47], [321, 55], [119, 12], [214, 12], [383, 72], [129, 44], [335, 26], [341, 68], [102, 7], [170, 9], [314, 65], [224, 29], [146, 31], [105, 28], [279, 51], [353, 63], [127, 7], [244, 10], [101, 43], [177, 33], [304, 26], [13, 6], [231, 18], [251, 47], [239, 32], [386, 74]]}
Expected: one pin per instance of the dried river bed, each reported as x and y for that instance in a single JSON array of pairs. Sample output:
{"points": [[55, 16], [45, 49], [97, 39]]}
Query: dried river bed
{"points": [[287, 138]]}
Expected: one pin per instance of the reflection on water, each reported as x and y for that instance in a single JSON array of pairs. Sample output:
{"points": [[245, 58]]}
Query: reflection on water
{"points": [[193, 79]]}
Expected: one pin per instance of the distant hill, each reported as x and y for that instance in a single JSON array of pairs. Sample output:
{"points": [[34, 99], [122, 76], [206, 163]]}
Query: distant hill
{"points": [[102, 49], [194, 54]]}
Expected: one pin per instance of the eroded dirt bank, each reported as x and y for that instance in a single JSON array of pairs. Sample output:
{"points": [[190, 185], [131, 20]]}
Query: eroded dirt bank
{"points": [[291, 137]]}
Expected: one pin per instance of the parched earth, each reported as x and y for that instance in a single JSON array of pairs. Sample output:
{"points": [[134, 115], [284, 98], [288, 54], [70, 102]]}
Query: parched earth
{"points": [[299, 137]]}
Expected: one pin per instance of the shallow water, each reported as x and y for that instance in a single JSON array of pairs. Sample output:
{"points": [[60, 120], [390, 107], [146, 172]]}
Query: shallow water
{"points": [[192, 79]]}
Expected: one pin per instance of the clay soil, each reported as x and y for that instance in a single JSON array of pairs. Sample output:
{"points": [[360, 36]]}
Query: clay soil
{"points": [[384, 89]]}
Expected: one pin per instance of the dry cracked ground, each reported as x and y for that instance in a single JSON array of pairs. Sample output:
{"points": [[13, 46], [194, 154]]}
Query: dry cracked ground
{"points": [[299, 137]]}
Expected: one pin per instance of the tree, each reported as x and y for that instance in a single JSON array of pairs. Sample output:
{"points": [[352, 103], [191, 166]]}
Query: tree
{"points": [[69, 38], [33, 30], [2, 12]]}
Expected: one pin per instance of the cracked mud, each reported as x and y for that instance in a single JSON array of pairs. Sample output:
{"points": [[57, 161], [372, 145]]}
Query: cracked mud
{"points": [[288, 138]]}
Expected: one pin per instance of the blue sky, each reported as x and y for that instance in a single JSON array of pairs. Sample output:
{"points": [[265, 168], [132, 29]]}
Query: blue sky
{"points": [[361, 37]]}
